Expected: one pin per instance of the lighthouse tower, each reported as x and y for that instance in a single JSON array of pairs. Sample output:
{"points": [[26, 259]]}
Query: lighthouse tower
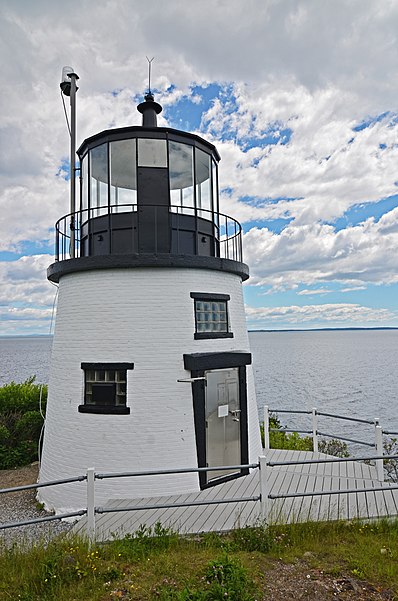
{"points": [[151, 365]]}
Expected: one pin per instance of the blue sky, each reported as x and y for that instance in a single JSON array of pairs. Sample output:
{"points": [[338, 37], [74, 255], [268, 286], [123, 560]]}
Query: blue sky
{"points": [[304, 116]]}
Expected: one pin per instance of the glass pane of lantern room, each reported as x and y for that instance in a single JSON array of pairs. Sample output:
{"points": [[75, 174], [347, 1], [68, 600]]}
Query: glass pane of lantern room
{"points": [[123, 173], [181, 177], [203, 183], [152, 153], [99, 180], [84, 195], [216, 216]]}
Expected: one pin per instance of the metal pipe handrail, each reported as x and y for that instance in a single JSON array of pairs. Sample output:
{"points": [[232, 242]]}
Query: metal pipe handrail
{"points": [[170, 506], [184, 470], [43, 484], [332, 460], [368, 444], [335, 415], [351, 419], [287, 430], [62, 228], [50, 518], [290, 411]]}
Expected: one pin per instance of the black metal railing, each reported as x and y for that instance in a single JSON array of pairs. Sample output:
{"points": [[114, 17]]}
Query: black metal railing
{"points": [[172, 230]]}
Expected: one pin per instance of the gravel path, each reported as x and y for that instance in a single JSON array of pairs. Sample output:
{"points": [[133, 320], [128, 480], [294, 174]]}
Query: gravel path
{"points": [[19, 506]]}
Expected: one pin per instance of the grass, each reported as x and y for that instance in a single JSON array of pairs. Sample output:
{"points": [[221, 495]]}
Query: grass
{"points": [[159, 564]]}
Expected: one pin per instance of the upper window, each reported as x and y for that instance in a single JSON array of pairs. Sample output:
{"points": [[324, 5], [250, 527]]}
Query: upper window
{"points": [[152, 153], [105, 387], [211, 315]]}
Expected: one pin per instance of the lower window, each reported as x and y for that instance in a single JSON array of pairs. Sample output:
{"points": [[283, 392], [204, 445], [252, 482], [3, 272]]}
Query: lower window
{"points": [[105, 388]]}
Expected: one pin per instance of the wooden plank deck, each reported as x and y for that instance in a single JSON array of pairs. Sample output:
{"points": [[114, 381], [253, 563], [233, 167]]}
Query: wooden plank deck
{"points": [[282, 479]]}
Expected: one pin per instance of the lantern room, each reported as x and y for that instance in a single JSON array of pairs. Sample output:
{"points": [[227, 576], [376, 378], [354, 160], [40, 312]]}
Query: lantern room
{"points": [[151, 189]]}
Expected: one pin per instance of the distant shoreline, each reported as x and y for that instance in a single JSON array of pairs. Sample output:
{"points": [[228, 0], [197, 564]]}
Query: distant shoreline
{"points": [[353, 329], [326, 329], [26, 336]]}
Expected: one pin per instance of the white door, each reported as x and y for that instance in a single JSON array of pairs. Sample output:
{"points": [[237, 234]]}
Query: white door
{"points": [[222, 414]]}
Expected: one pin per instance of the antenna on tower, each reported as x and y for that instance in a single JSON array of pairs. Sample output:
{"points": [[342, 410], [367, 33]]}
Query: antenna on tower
{"points": [[69, 88], [149, 73]]}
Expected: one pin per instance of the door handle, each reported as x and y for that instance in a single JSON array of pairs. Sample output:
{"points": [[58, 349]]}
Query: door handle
{"points": [[235, 419]]}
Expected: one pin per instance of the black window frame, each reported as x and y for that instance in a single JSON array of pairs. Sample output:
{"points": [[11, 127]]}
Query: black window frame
{"points": [[211, 297], [105, 408]]}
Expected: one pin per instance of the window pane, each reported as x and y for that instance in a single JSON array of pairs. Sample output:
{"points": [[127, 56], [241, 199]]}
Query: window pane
{"points": [[215, 191], [84, 202], [123, 174], [181, 175], [99, 180], [103, 385], [152, 153], [211, 316], [203, 182], [110, 376]]}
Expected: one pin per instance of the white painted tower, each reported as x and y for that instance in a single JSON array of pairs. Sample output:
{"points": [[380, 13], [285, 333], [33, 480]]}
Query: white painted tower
{"points": [[151, 365]]}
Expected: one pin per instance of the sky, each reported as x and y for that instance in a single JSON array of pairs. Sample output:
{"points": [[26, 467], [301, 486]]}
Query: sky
{"points": [[299, 96]]}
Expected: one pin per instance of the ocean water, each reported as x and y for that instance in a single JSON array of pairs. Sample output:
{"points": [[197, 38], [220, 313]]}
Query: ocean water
{"points": [[348, 372], [22, 357]]}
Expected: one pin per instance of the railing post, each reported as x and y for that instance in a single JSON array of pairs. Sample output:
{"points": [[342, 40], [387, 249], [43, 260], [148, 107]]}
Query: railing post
{"points": [[266, 427], [379, 449], [315, 430], [264, 488], [91, 504]]}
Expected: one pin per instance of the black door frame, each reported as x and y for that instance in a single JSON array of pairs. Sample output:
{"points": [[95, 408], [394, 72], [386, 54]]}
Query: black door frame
{"points": [[197, 364]]}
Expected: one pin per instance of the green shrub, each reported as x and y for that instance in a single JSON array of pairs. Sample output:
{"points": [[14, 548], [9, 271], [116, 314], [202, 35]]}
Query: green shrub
{"points": [[22, 397], [284, 440], [20, 422], [390, 447], [335, 447]]}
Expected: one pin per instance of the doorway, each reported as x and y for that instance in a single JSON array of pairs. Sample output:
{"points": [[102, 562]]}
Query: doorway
{"points": [[222, 414]]}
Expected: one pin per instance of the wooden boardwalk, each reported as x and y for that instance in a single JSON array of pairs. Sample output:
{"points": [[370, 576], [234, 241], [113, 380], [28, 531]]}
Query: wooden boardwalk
{"points": [[282, 479]]}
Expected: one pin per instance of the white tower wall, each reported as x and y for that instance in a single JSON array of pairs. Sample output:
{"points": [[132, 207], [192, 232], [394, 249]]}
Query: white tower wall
{"points": [[143, 316]]}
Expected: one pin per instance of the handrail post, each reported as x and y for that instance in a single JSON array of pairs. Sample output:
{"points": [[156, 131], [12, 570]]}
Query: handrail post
{"points": [[266, 427], [91, 504], [379, 449], [315, 430], [264, 487]]}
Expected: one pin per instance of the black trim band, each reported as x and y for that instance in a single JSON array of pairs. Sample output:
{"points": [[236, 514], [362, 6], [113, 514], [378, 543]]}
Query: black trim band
{"points": [[60, 268], [218, 360], [209, 296], [212, 335], [104, 409], [107, 365]]}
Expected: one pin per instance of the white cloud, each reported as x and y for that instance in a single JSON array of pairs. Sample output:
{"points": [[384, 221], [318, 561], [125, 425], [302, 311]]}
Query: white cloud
{"points": [[26, 295], [312, 254], [330, 315], [316, 69], [307, 292]]}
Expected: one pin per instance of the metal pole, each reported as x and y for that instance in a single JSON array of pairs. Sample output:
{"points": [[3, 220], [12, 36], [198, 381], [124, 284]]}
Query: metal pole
{"points": [[266, 427], [264, 488], [73, 78], [91, 504], [315, 430], [379, 450]]}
